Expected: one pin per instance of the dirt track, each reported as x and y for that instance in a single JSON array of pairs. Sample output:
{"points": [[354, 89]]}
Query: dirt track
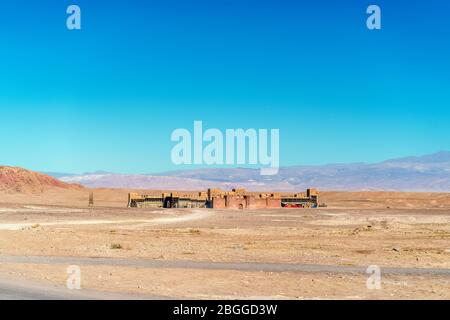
{"points": [[194, 215], [184, 264]]}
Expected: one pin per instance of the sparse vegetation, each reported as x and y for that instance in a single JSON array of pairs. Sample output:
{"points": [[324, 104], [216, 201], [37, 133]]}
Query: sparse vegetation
{"points": [[195, 231], [116, 246]]}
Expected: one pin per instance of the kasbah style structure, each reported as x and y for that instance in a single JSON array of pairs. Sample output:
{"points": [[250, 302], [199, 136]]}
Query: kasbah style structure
{"points": [[218, 199]]}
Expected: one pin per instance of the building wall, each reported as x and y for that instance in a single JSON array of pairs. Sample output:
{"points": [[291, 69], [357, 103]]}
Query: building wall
{"points": [[256, 202], [218, 203], [235, 202], [237, 199], [273, 203], [150, 204], [247, 202]]}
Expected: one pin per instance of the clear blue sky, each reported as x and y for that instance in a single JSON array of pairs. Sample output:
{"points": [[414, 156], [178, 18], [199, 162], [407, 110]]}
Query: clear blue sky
{"points": [[108, 97]]}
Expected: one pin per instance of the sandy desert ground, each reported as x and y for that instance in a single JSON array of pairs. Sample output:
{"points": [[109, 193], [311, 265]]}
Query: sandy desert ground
{"points": [[220, 254]]}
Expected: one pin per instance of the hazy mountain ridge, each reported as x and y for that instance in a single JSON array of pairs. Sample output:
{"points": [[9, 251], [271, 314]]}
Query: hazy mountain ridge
{"points": [[425, 173]]}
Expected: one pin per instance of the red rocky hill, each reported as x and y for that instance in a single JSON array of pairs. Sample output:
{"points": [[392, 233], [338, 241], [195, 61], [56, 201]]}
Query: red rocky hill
{"points": [[19, 180]]}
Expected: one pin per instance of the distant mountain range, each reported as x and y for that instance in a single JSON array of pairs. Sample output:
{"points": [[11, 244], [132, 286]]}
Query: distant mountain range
{"points": [[424, 173]]}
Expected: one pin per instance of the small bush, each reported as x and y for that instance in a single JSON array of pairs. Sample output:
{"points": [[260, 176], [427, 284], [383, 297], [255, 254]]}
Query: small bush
{"points": [[194, 231]]}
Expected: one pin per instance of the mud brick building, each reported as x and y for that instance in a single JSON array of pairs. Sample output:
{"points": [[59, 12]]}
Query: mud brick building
{"points": [[218, 199]]}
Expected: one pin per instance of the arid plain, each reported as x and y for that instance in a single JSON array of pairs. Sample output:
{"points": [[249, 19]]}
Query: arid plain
{"points": [[229, 254]]}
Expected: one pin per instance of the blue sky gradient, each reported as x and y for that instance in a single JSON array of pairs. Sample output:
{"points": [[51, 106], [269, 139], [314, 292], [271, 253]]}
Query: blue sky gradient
{"points": [[108, 97]]}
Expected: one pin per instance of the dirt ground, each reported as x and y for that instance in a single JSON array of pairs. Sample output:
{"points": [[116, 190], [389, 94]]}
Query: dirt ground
{"points": [[389, 230]]}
